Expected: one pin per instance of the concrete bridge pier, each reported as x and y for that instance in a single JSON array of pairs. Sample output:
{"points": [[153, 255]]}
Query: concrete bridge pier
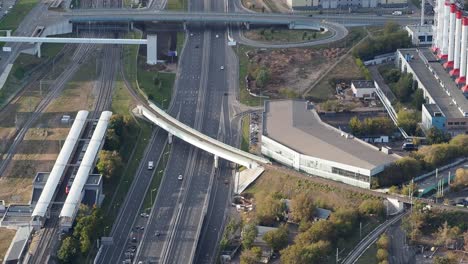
{"points": [[152, 50], [130, 25], [292, 25], [38, 49], [247, 25], [216, 161], [169, 138], [185, 26]]}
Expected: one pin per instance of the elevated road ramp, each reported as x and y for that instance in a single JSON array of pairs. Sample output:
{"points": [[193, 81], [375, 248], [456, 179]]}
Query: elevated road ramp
{"points": [[198, 139]]}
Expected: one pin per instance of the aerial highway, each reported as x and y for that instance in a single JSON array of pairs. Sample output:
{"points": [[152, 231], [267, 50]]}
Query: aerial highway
{"points": [[126, 15]]}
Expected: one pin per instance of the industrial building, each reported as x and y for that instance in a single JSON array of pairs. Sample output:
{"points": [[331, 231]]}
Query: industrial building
{"points": [[446, 106], [331, 4], [294, 135], [420, 34]]}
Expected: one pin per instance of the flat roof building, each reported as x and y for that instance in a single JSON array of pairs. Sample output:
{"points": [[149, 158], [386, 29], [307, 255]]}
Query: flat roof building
{"points": [[295, 135], [438, 87], [363, 88]]}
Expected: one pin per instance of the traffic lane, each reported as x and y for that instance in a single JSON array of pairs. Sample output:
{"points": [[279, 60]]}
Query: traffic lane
{"points": [[187, 91], [192, 211], [166, 201], [219, 202], [140, 182], [135, 198]]}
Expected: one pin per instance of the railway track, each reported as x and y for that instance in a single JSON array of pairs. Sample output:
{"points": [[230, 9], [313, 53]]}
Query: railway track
{"points": [[57, 87]]}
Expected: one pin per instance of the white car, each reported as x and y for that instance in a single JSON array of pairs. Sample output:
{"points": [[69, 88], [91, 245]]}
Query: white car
{"points": [[180, 177], [222, 67], [150, 165], [217, 36]]}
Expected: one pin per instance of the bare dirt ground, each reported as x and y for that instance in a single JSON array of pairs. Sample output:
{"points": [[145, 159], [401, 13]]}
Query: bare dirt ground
{"points": [[290, 70], [6, 236]]}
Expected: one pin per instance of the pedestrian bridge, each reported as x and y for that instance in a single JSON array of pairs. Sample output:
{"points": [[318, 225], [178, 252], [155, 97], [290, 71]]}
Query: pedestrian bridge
{"points": [[194, 137]]}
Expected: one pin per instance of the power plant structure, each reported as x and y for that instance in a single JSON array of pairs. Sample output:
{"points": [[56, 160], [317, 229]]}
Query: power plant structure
{"points": [[450, 39]]}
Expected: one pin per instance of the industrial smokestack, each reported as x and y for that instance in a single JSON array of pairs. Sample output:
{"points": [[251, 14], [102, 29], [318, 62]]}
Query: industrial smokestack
{"points": [[445, 36], [440, 24], [463, 60], [451, 37], [456, 55]]}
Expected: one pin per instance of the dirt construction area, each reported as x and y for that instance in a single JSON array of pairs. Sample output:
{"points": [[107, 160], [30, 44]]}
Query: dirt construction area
{"points": [[290, 71]]}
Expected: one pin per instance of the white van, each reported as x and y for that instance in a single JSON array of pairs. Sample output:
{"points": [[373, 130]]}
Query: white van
{"points": [[150, 165]]}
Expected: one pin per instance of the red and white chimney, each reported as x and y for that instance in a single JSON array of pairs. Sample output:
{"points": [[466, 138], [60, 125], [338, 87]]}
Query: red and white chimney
{"points": [[456, 54], [451, 37], [445, 36], [463, 59]]}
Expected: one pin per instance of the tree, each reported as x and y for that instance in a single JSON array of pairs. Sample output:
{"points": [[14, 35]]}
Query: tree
{"points": [[437, 136], [392, 75], [262, 78], [109, 163], [408, 120], [86, 229], [117, 123], [112, 141], [355, 126], [409, 189], [374, 206], [277, 239], [68, 250], [413, 223], [418, 99], [249, 233], [321, 230], [344, 220], [268, 209], [302, 207], [404, 87], [461, 178], [444, 260], [382, 254], [251, 256], [311, 253], [447, 235], [383, 242], [461, 141]]}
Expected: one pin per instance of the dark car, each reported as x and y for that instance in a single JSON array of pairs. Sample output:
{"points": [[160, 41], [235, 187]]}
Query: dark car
{"points": [[409, 147]]}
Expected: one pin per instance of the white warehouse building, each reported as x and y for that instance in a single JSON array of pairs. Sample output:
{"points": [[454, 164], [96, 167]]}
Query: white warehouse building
{"points": [[294, 135]]}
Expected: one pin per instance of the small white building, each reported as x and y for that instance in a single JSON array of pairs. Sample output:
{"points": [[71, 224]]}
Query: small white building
{"points": [[363, 89], [420, 35]]}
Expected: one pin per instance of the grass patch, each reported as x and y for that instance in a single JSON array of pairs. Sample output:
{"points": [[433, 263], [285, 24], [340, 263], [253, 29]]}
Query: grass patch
{"points": [[141, 134], [156, 180], [176, 5], [6, 236], [281, 35], [156, 85], [245, 146], [17, 14], [50, 50], [369, 256], [130, 53], [22, 68], [244, 96]]}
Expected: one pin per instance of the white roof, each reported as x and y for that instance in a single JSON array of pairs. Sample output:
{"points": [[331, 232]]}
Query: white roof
{"points": [[74, 196], [60, 164]]}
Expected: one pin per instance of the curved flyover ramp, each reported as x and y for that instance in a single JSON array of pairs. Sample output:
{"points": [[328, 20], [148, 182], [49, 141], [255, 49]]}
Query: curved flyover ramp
{"points": [[196, 138]]}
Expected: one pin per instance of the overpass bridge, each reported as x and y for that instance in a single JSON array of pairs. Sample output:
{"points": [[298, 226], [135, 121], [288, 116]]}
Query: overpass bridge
{"points": [[150, 42], [291, 20], [194, 137]]}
